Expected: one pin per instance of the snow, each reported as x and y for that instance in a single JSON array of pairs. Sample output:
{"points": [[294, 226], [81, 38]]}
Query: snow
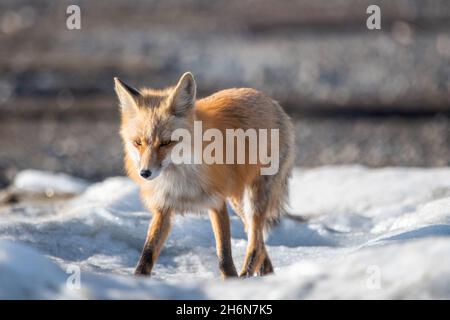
{"points": [[40, 181], [370, 233]]}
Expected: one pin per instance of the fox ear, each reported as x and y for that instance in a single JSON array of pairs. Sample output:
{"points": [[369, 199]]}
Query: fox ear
{"points": [[183, 97], [127, 95]]}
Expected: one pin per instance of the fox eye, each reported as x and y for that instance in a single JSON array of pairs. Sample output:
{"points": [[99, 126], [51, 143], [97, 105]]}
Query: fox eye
{"points": [[137, 143], [165, 143]]}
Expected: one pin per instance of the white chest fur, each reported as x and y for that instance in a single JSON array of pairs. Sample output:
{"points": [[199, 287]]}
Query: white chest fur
{"points": [[182, 189]]}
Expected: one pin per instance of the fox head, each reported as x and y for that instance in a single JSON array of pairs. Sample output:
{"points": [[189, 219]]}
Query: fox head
{"points": [[148, 119]]}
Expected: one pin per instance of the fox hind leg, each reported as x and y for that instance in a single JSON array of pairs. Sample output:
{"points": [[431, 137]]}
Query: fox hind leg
{"points": [[262, 203], [266, 267], [256, 204], [255, 255]]}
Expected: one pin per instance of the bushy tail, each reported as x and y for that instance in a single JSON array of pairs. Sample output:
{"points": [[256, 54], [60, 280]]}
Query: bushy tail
{"points": [[280, 188], [278, 206]]}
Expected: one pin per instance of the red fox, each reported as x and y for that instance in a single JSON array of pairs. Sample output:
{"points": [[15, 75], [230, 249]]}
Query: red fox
{"points": [[148, 119]]}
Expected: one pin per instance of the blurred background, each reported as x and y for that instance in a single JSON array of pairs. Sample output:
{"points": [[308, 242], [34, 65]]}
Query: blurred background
{"points": [[374, 97]]}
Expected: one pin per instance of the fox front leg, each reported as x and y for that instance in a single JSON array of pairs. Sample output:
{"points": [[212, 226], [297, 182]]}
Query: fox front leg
{"points": [[221, 227], [157, 234]]}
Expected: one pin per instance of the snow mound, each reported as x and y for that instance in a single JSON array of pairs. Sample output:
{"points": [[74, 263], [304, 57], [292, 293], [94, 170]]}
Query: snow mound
{"points": [[370, 233], [44, 182]]}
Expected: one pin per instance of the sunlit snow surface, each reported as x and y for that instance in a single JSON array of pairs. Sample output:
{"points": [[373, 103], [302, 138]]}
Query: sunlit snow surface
{"points": [[370, 233]]}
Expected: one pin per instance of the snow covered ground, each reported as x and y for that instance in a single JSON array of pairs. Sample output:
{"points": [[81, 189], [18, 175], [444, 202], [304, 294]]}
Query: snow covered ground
{"points": [[370, 233]]}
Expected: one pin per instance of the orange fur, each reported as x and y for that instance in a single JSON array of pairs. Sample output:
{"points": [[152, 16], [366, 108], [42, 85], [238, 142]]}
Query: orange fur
{"points": [[148, 118]]}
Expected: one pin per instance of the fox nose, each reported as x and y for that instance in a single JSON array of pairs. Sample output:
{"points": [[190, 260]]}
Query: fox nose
{"points": [[145, 173]]}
